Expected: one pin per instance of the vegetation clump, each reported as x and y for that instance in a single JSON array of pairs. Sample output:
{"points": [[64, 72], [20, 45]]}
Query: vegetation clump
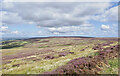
{"points": [[91, 64], [10, 44]]}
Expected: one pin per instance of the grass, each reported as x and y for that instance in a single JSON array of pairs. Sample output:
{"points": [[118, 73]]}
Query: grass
{"points": [[112, 67], [63, 45], [94, 54], [43, 65], [44, 40], [11, 51], [43, 46]]}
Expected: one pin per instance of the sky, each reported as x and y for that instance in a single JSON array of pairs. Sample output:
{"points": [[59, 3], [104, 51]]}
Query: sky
{"points": [[43, 19]]}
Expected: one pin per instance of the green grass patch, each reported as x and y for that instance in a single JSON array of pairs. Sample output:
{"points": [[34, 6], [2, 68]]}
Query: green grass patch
{"points": [[43, 46], [112, 67], [63, 45], [14, 44], [94, 54]]}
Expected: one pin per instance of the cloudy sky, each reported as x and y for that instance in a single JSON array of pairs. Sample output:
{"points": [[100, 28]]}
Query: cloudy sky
{"points": [[31, 19]]}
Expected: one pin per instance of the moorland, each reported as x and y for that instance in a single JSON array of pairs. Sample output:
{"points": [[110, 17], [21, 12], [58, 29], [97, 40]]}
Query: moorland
{"points": [[60, 55]]}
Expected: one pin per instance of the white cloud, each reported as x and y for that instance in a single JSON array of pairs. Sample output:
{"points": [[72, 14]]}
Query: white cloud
{"points": [[60, 0], [39, 32], [109, 30], [111, 15], [4, 28], [60, 18], [15, 32], [64, 29], [1, 33], [71, 30], [105, 27], [56, 33]]}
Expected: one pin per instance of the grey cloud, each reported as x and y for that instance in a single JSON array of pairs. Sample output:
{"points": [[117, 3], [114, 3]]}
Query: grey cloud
{"points": [[11, 18], [53, 14]]}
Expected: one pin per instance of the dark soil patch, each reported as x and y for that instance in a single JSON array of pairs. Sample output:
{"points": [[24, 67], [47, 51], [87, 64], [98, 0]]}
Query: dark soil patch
{"points": [[16, 65], [65, 53], [49, 57]]}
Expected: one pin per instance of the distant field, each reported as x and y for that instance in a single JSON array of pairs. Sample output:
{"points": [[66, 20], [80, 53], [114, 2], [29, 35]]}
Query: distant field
{"points": [[63, 55]]}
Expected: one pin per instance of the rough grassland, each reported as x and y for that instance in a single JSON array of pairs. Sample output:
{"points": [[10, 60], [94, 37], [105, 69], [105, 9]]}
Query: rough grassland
{"points": [[37, 56]]}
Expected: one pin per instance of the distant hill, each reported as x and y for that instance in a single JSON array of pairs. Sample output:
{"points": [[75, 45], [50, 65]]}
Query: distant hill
{"points": [[71, 37], [60, 37], [21, 38], [12, 38]]}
